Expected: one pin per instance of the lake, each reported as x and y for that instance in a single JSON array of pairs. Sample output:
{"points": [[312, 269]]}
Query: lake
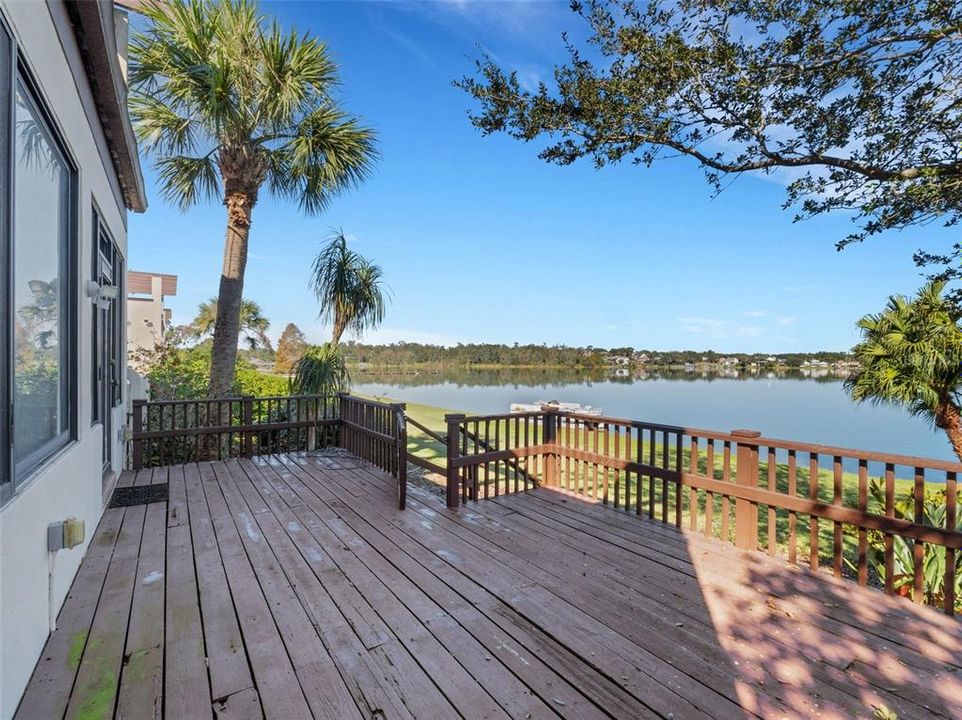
{"points": [[789, 405]]}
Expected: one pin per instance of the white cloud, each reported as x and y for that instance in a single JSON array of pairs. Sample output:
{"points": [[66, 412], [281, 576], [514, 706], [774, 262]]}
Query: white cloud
{"points": [[709, 327], [751, 331], [785, 320]]}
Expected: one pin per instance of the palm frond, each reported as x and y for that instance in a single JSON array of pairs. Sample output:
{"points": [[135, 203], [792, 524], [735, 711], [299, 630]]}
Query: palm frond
{"points": [[186, 180], [349, 287], [321, 370], [205, 75], [910, 354]]}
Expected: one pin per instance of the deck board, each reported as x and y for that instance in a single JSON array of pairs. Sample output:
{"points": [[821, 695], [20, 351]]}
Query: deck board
{"points": [[292, 586]]}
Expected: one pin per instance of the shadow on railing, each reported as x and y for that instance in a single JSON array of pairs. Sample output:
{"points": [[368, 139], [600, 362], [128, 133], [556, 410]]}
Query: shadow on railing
{"points": [[878, 518]]}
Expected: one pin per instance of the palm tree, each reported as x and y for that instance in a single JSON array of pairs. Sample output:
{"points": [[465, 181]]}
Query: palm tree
{"points": [[321, 370], [228, 103], [911, 355], [349, 288], [253, 324]]}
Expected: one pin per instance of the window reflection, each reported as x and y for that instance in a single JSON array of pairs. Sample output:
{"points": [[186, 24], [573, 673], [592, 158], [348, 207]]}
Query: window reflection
{"points": [[40, 222]]}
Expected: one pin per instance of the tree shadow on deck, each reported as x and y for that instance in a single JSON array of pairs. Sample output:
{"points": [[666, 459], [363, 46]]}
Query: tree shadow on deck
{"points": [[828, 646], [777, 641]]}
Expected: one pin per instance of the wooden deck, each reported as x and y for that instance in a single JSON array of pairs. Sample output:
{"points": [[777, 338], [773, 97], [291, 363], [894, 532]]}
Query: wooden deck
{"points": [[292, 587]]}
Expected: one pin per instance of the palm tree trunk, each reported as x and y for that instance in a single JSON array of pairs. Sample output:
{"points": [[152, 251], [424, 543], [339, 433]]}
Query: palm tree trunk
{"points": [[227, 327], [949, 418], [340, 324]]}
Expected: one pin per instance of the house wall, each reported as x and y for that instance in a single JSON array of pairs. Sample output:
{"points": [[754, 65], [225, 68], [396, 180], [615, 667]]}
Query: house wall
{"points": [[70, 483], [145, 319]]}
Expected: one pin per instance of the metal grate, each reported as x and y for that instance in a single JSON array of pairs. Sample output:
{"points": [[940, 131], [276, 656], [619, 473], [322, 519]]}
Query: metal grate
{"points": [[139, 495]]}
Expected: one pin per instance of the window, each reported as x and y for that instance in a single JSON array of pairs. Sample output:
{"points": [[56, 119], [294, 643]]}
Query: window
{"points": [[39, 295], [108, 354]]}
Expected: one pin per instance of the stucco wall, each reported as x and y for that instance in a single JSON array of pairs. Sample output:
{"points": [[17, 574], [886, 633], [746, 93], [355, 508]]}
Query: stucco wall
{"points": [[71, 482], [145, 323]]}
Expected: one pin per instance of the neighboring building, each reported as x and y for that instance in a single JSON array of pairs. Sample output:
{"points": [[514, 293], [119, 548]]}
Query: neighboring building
{"points": [[69, 173], [147, 318]]}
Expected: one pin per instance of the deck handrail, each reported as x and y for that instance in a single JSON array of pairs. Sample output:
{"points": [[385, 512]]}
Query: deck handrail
{"points": [[739, 486], [167, 432]]}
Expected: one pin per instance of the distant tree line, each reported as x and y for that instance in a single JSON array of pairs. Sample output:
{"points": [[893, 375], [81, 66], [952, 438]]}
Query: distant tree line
{"points": [[531, 355]]}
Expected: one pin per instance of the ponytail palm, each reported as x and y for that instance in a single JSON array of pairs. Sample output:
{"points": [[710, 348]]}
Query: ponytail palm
{"points": [[321, 370], [911, 355], [349, 288], [228, 104]]}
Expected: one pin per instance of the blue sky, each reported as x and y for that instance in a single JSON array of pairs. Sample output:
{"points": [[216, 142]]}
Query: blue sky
{"points": [[481, 241]]}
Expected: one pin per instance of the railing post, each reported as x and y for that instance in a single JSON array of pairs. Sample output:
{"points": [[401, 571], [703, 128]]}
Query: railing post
{"points": [[247, 419], [137, 427], [746, 473], [549, 424], [400, 418], [342, 418], [454, 436]]}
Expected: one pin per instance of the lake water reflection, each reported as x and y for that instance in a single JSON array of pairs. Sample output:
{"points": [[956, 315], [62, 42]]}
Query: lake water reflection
{"points": [[790, 405]]}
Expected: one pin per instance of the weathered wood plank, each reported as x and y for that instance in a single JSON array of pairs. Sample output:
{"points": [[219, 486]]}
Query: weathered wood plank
{"points": [[49, 688], [142, 679], [186, 686], [462, 600], [226, 657], [278, 686], [95, 691], [323, 687]]}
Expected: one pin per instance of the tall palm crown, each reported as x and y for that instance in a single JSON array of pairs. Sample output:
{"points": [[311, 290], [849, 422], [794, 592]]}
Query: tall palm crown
{"points": [[911, 355], [227, 103], [253, 324], [349, 288]]}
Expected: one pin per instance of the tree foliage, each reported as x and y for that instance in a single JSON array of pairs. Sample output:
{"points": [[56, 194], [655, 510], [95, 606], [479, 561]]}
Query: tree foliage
{"points": [[859, 101], [221, 94], [177, 369], [229, 103], [290, 347], [911, 355], [349, 287], [253, 324], [321, 370]]}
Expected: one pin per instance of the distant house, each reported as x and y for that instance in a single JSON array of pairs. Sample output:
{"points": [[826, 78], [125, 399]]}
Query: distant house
{"points": [[642, 358], [147, 317], [69, 172], [621, 360]]}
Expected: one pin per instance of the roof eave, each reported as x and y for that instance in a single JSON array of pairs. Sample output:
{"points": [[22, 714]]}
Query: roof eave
{"points": [[94, 27]]}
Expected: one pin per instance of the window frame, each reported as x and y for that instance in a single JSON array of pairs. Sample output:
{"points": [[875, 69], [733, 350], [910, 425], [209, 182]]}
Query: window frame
{"points": [[18, 473], [8, 79], [115, 362]]}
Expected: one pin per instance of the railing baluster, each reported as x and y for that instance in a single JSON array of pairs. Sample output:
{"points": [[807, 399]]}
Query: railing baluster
{"points": [[772, 468], [837, 526], [951, 523], [889, 540], [918, 547], [693, 491], [726, 501], [792, 517], [813, 519]]}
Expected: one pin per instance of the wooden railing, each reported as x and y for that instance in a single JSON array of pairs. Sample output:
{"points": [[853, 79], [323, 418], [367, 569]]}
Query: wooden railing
{"points": [[376, 432], [170, 432], [878, 518]]}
